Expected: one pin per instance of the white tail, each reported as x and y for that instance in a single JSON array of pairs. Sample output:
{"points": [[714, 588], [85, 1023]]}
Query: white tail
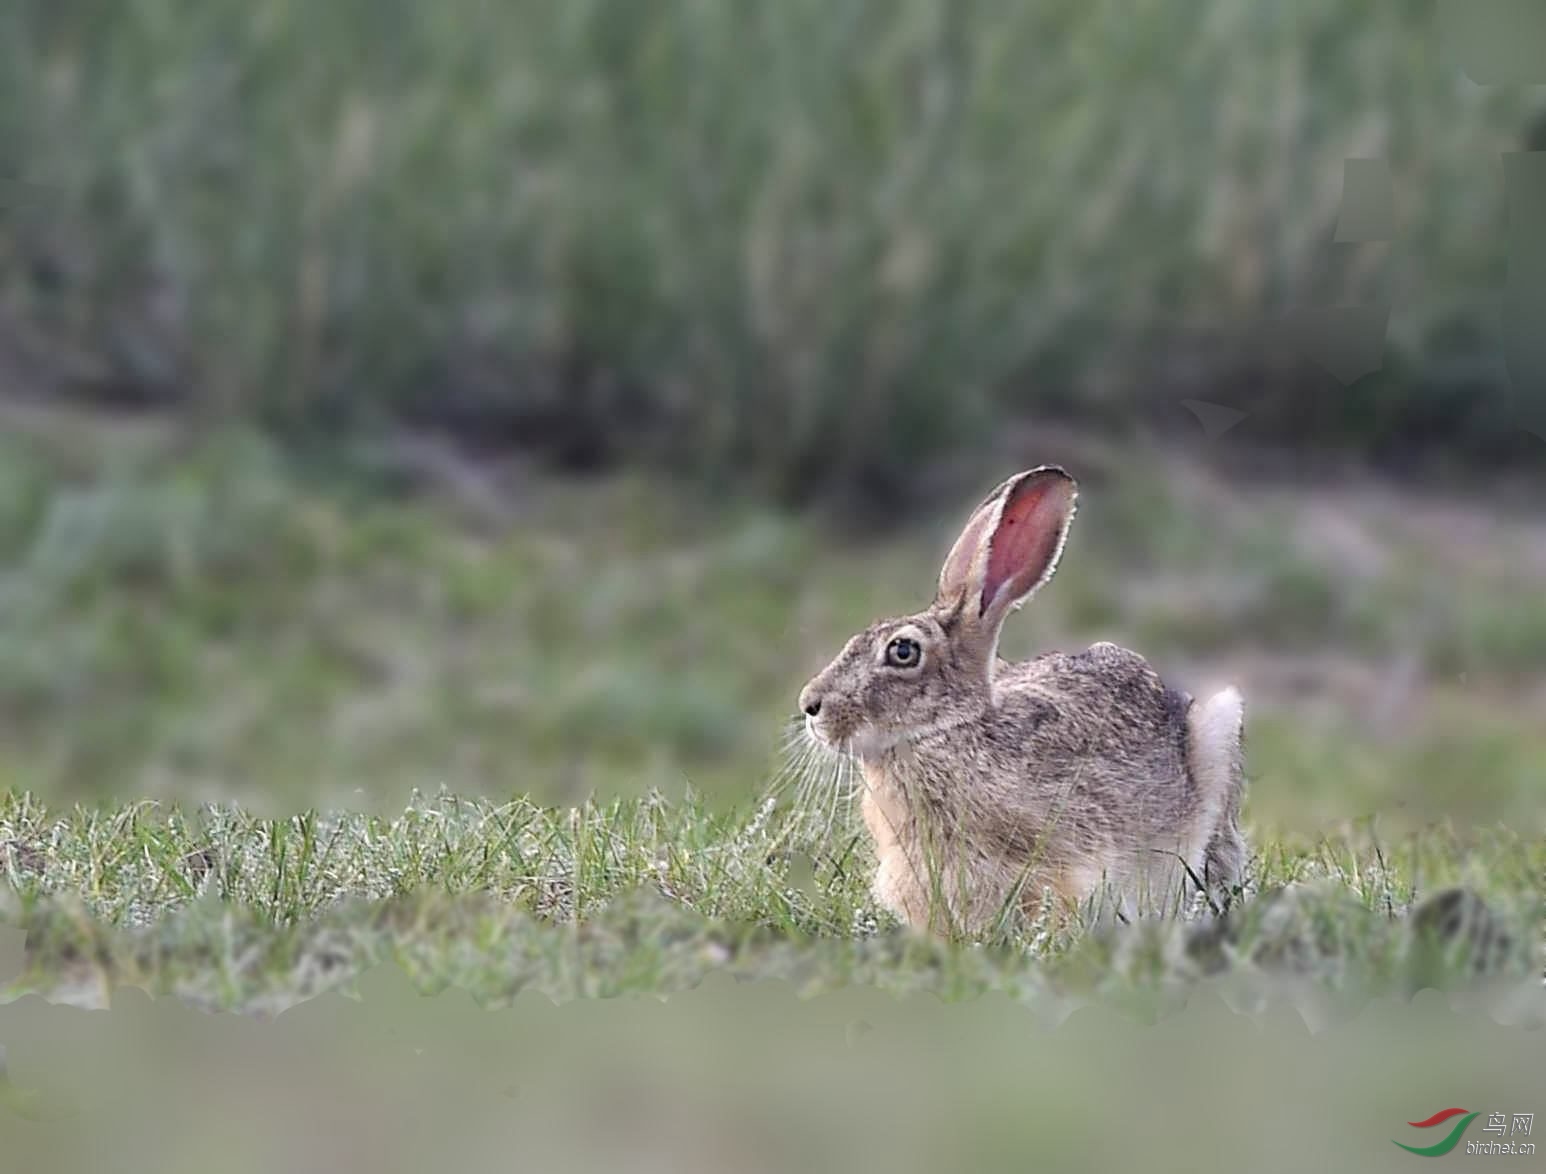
{"points": [[1217, 728]]}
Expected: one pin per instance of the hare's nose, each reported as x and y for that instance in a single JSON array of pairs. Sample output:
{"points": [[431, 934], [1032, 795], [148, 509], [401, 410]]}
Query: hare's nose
{"points": [[810, 703]]}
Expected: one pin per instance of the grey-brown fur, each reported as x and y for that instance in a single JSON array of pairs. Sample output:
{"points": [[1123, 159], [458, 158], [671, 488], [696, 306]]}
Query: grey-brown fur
{"points": [[991, 786]]}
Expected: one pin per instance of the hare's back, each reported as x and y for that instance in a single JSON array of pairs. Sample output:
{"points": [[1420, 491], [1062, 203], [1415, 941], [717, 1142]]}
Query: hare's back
{"points": [[1106, 703]]}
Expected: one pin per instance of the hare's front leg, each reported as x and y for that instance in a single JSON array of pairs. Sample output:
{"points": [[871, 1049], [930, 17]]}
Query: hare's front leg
{"points": [[898, 885]]}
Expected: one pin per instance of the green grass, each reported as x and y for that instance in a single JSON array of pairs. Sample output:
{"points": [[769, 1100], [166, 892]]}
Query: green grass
{"points": [[648, 896], [206, 647]]}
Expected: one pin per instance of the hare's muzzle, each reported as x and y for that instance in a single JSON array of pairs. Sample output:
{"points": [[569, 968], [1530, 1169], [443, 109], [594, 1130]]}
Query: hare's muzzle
{"points": [[810, 701], [810, 707]]}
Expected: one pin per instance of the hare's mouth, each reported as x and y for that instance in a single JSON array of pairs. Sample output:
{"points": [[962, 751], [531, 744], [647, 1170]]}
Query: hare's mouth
{"points": [[818, 733], [862, 742]]}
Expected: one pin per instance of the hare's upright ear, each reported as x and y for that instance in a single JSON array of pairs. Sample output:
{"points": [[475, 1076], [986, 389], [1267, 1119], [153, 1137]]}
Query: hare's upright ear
{"points": [[1008, 549]]}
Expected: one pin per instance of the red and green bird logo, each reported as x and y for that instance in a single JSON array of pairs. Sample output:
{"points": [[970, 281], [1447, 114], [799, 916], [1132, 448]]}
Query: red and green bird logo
{"points": [[1450, 1142]]}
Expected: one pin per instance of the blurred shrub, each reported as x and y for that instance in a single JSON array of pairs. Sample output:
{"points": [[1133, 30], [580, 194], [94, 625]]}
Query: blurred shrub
{"points": [[807, 245]]}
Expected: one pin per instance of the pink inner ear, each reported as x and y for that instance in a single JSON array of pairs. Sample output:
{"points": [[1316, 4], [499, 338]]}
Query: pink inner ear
{"points": [[1027, 537]]}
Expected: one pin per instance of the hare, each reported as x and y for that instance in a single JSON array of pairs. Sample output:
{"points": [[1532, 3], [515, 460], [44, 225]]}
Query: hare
{"points": [[995, 790]]}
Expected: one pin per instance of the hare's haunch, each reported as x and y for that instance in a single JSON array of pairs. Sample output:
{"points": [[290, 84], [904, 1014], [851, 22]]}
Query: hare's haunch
{"points": [[992, 788]]}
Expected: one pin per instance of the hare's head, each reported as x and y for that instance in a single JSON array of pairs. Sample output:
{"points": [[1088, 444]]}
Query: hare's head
{"points": [[907, 677]]}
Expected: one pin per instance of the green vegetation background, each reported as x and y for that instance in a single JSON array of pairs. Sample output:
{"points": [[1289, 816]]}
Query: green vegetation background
{"points": [[794, 248]]}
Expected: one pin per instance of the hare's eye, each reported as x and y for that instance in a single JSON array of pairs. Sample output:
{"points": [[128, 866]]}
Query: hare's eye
{"points": [[902, 652]]}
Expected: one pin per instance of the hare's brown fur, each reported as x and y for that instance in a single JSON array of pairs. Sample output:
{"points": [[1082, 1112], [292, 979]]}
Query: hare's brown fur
{"points": [[994, 788]]}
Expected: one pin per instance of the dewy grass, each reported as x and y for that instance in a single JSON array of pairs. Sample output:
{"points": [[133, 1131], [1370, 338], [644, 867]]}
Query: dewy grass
{"points": [[649, 896]]}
